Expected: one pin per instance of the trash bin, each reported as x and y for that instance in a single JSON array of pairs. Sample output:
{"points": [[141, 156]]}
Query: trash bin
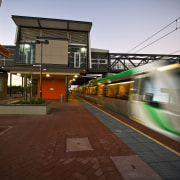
{"points": [[62, 97]]}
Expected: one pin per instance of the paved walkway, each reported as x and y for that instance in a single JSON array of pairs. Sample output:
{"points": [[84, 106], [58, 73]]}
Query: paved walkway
{"points": [[69, 143], [159, 152], [35, 146]]}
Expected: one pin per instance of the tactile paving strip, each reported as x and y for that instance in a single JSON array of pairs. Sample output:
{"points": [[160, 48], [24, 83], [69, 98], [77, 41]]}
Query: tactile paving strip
{"points": [[78, 144]]}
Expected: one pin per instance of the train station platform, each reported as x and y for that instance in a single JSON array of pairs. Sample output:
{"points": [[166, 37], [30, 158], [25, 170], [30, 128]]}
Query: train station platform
{"points": [[78, 140]]}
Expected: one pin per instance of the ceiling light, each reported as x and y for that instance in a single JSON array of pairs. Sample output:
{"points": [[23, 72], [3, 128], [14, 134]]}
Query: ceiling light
{"points": [[27, 46]]}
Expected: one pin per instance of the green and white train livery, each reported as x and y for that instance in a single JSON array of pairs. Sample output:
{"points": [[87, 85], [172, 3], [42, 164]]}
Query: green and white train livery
{"points": [[149, 94], [155, 98]]}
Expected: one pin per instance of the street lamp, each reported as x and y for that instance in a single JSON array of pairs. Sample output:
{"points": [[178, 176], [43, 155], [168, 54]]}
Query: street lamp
{"points": [[41, 42]]}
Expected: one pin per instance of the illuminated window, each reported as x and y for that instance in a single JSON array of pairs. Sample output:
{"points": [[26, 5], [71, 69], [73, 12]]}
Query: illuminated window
{"points": [[26, 53]]}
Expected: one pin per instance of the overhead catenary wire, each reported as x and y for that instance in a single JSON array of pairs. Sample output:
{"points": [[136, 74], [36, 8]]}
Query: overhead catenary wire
{"points": [[175, 21], [157, 40], [175, 52]]}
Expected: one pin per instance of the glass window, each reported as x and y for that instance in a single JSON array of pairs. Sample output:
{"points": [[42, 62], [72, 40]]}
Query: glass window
{"points": [[112, 90], [26, 53], [75, 53], [94, 61], [103, 61], [99, 61], [1, 83], [77, 60]]}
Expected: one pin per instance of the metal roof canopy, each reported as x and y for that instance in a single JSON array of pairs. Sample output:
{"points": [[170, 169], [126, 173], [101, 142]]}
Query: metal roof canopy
{"points": [[47, 23]]}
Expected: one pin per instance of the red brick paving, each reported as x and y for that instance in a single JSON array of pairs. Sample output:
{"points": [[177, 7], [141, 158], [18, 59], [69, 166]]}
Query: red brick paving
{"points": [[35, 148]]}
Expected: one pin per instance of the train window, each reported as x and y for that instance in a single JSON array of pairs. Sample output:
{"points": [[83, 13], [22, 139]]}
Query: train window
{"points": [[124, 90], [153, 90], [146, 86], [112, 90], [135, 89], [104, 90], [100, 90], [83, 90], [93, 90], [87, 90]]}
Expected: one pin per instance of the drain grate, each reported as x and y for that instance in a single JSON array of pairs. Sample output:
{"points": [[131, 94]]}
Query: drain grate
{"points": [[133, 167], [78, 144]]}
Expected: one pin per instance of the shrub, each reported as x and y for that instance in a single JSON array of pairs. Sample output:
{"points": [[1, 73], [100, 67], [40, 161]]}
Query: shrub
{"points": [[33, 100]]}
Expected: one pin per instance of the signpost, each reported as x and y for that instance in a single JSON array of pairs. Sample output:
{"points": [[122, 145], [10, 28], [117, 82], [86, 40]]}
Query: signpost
{"points": [[4, 51]]}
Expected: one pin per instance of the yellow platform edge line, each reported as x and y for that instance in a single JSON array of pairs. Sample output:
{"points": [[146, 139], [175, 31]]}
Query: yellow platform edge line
{"points": [[170, 149], [8, 128]]}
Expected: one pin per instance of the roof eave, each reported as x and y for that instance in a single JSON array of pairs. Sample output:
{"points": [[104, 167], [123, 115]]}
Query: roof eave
{"points": [[38, 22]]}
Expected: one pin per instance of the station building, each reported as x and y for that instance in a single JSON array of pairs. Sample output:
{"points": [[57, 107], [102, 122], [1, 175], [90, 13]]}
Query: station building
{"points": [[62, 47], [50, 53]]}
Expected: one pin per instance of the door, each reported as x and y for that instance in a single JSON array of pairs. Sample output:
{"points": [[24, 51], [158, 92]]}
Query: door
{"points": [[76, 60]]}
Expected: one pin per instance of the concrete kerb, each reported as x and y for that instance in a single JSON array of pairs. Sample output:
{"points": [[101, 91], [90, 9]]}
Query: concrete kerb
{"points": [[25, 109]]}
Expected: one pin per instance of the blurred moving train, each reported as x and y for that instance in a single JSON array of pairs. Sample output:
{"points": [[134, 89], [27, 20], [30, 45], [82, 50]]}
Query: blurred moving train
{"points": [[149, 94]]}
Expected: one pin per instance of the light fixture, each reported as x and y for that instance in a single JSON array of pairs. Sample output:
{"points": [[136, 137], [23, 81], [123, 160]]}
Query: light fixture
{"points": [[47, 75], [26, 46], [83, 50], [75, 76], [18, 74]]}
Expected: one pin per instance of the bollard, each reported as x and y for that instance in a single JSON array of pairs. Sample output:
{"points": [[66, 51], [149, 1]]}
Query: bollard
{"points": [[62, 97]]}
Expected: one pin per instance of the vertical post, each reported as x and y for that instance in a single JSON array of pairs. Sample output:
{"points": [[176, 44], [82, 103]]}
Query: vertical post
{"points": [[22, 86], [41, 74], [10, 92], [89, 63], [41, 42], [4, 61], [25, 88], [31, 87], [66, 87]]}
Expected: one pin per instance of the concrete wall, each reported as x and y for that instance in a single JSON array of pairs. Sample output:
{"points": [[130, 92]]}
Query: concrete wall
{"points": [[56, 52], [3, 85], [25, 109]]}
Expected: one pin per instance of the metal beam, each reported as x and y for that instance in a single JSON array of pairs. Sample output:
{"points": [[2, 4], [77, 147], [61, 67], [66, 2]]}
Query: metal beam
{"points": [[128, 61]]}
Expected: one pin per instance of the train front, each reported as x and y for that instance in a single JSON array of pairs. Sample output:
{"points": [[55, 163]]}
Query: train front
{"points": [[170, 76], [156, 99]]}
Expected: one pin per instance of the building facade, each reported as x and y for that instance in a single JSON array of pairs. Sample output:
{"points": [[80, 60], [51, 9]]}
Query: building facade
{"points": [[51, 65]]}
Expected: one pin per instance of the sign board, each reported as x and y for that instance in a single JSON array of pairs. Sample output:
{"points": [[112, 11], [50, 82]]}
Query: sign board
{"points": [[4, 51]]}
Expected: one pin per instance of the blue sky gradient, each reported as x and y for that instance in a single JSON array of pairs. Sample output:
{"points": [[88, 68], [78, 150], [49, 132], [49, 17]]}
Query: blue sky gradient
{"points": [[118, 25]]}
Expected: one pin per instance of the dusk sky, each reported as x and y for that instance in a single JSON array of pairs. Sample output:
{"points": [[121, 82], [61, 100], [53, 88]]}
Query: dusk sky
{"points": [[118, 25]]}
